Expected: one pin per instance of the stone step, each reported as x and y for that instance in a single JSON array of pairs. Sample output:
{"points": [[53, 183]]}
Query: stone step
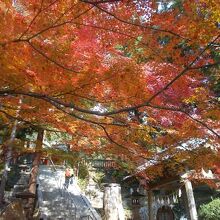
{"points": [[19, 187], [58, 202], [61, 217]]}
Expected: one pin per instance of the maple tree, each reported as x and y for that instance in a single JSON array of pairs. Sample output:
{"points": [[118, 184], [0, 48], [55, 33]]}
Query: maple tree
{"points": [[124, 78]]}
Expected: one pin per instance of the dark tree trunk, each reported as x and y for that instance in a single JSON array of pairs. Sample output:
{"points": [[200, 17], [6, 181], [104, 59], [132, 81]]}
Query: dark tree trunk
{"points": [[8, 156], [35, 166], [36, 162]]}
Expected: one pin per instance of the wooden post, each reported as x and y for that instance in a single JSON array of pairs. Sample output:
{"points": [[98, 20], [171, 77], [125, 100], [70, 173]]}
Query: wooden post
{"points": [[191, 200], [150, 204], [185, 202]]}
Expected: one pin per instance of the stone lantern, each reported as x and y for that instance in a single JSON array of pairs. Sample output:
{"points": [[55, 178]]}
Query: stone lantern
{"points": [[135, 197]]}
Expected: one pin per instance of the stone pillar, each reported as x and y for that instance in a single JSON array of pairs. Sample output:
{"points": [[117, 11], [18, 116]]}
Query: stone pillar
{"points": [[191, 200], [150, 204], [113, 203], [135, 212]]}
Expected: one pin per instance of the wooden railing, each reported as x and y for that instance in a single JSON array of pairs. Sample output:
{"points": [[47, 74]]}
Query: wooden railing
{"points": [[103, 164]]}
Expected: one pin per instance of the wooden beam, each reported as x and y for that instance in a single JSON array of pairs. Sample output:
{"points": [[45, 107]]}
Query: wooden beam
{"points": [[191, 200], [150, 204], [164, 182]]}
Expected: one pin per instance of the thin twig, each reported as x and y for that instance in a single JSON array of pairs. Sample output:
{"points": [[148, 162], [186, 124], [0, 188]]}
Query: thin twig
{"points": [[52, 60], [136, 24]]}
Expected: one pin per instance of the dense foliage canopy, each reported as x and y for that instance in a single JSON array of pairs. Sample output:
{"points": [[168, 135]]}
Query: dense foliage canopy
{"points": [[131, 79]]}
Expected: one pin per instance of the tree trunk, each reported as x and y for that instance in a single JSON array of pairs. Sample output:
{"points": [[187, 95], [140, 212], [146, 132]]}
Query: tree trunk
{"points": [[7, 162], [34, 170], [36, 162], [9, 155]]}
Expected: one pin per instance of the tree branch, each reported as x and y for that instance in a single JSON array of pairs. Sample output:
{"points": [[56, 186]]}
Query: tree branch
{"points": [[30, 124], [58, 25], [137, 25], [120, 145], [205, 66], [60, 104], [32, 21], [123, 34], [51, 60], [100, 2], [180, 74], [187, 114]]}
